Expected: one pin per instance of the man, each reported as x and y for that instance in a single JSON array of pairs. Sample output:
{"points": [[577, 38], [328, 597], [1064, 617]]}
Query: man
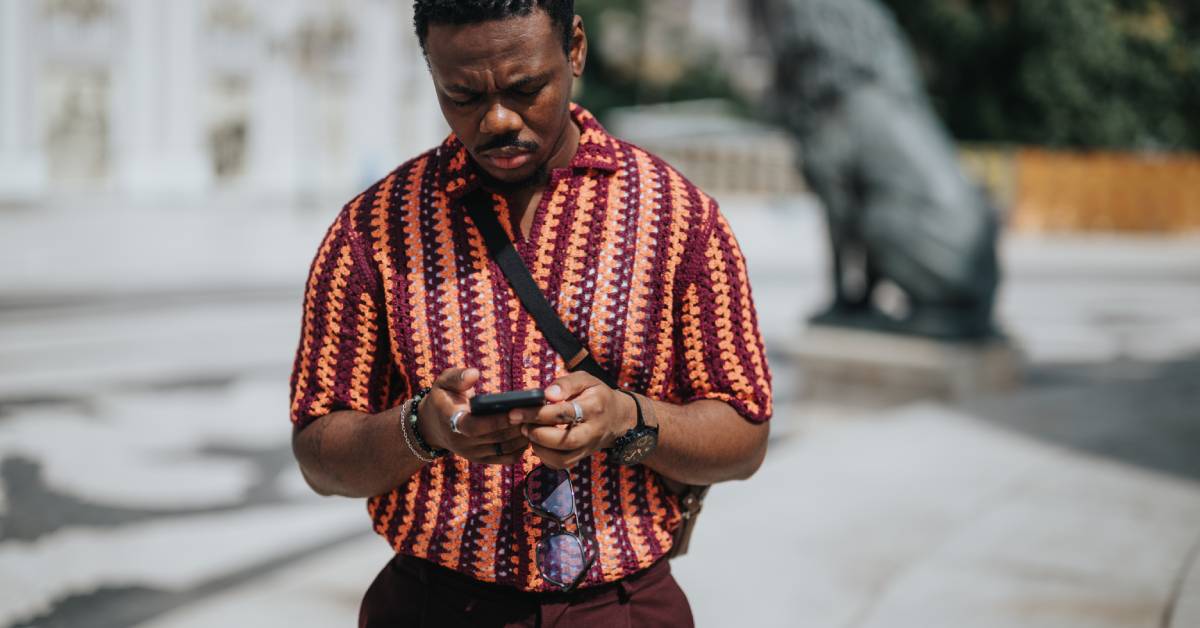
{"points": [[407, 317]]}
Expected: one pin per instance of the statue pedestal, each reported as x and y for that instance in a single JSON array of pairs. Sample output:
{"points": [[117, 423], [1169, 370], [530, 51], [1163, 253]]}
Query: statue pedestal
{"points": [[857, 366]]}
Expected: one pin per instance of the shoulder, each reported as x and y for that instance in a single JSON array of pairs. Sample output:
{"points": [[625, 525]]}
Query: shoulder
{"points": [[360, 228], [387, 199], [666, 187]]}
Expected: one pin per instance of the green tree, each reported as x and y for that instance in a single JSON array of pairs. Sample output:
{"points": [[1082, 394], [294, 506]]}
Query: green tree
{"points": [[1078, 73], [620, 82]]}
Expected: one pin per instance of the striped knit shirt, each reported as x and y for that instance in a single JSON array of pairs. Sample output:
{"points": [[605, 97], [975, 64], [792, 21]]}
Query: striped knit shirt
{"points": [[639, 264]]}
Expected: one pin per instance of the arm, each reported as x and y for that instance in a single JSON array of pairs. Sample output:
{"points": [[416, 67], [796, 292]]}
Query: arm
{"points": [[701, 443], [344, 437], [704, 442], [720, 430], [356, 454]]}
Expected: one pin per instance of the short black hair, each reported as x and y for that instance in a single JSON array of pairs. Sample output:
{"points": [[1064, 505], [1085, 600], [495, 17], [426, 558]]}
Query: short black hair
{"points": [[426, 12]]}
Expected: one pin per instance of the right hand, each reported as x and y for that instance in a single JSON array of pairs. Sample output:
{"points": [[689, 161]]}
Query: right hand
{"points": [[452, 392]]}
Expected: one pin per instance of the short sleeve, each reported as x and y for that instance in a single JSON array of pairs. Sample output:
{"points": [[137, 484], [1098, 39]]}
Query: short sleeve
{"points": [[342, 361], [719, 348]]}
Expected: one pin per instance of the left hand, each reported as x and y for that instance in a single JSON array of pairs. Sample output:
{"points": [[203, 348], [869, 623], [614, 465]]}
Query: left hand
{"points": [[607, 414]]}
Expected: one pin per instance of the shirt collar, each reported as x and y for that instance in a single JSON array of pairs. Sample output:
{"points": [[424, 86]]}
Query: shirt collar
{"points": [[597, 150]]}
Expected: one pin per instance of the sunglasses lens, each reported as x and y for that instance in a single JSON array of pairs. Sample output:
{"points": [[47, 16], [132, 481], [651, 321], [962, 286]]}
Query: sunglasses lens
{"points": [[549, 490], [560, 558]]}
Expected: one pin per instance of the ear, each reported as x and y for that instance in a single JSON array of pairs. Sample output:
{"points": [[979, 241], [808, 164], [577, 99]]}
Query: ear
{"points": [[579, 45]]}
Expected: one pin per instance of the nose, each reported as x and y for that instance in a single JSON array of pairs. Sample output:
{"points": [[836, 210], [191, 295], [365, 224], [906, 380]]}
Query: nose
{"points": [[500, 121]]}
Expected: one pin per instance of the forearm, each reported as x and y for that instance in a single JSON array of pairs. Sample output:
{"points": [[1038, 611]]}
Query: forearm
{"points": [[354, 454], [704, 442]]}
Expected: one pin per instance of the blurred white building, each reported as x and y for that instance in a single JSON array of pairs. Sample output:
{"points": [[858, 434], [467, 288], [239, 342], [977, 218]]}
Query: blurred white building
{"points": [[661, 39], [188, 98], [707, 140]]}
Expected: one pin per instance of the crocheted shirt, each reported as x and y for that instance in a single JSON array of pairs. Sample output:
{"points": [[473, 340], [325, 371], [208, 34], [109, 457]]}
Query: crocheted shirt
{"points": [[639, 264]]}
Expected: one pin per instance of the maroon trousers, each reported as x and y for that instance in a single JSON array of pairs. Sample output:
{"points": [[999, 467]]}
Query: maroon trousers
{"points": [[417, 593]]}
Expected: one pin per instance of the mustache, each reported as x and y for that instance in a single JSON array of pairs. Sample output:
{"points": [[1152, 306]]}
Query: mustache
{"points": [[508, 141]]}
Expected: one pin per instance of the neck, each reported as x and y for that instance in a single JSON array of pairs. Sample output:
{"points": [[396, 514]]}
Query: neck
{"points": [[521, 194]]}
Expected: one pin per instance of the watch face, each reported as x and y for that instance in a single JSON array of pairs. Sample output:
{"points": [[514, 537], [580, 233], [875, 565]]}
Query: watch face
{"points": [[641, 447]]}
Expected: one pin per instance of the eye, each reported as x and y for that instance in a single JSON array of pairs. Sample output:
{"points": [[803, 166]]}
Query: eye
{"points": [[459, 97], [531, 91]]}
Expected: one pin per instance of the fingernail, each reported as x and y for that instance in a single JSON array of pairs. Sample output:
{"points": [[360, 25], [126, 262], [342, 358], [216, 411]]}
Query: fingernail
{"points": [[525, 430], [554, 391]]}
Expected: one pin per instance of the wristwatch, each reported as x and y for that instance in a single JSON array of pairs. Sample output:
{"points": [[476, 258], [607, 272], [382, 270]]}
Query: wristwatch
{"points": [[633, 446]]}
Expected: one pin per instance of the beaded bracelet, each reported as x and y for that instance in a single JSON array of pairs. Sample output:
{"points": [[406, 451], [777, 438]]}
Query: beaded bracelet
{"points": [[420, 449], [408, 439]]}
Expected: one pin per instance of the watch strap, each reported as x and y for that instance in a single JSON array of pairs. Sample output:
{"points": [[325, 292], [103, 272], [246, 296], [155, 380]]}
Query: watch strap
{"points": [[634, 434], [641, 419]]}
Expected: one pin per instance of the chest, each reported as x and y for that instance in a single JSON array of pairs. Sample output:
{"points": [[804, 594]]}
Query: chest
{"points": [[594, 249]]}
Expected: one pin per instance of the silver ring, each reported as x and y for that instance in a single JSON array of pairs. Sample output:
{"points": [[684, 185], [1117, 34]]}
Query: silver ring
{"points": [[578, 413], [454, 419]]}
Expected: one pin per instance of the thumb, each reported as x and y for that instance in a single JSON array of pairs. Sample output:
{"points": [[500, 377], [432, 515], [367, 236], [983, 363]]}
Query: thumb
{"points": [[458, 380], [567, 387]]}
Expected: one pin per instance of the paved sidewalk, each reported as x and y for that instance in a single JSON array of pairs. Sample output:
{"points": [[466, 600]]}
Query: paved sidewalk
{"points": [[927, 517], [914, 518], [1186, 612]]}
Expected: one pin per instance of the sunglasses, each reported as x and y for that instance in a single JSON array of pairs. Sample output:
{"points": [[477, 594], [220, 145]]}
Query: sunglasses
{"points": [[562, 558]]}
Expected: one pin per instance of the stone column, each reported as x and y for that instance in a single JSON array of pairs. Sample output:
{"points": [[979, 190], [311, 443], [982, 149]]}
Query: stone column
{"points": [[273, 147], [160, 148], [23, 171], [423, 126], [374, 119], [394, 112]]}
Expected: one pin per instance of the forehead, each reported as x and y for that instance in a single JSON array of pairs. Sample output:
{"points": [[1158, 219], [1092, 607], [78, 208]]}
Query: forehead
{"points": [[521, 44]]}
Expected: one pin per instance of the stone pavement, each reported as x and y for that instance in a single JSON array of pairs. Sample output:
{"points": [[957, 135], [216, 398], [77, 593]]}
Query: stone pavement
{"points": [[145, 478], [918, 517], [925, 516], [1186, 612]]}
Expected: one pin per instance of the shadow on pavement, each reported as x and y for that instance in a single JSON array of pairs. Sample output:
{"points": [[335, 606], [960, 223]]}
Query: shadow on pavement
{"points": [[1142, 413], [120, 606], [36, 509]]}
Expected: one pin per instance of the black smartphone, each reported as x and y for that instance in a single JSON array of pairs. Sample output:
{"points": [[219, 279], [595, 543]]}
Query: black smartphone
{"points": [[496, 403]]}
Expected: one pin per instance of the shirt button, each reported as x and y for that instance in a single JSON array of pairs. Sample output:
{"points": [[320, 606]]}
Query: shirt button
{"points": [[528, 361]]}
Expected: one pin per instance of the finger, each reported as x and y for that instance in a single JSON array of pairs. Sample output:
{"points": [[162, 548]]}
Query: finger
{"points": [[507, 434], [458, 380], [479, 426], [494, 453], [559, 438], [558, 459], [523, 415], [570, 385], [556, 414]]}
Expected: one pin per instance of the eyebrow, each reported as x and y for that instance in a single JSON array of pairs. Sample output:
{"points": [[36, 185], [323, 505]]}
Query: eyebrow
{"points": [[517, 84], [529, 80]]}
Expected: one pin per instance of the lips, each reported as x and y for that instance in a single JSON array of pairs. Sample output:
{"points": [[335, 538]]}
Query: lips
{"points": [[509, 160]]}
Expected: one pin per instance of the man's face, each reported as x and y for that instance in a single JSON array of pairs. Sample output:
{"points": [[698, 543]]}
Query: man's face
{"points": [[504, 87]]}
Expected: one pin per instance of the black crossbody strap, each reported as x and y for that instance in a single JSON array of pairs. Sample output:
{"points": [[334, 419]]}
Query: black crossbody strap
{"points": [[577, 357]]}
